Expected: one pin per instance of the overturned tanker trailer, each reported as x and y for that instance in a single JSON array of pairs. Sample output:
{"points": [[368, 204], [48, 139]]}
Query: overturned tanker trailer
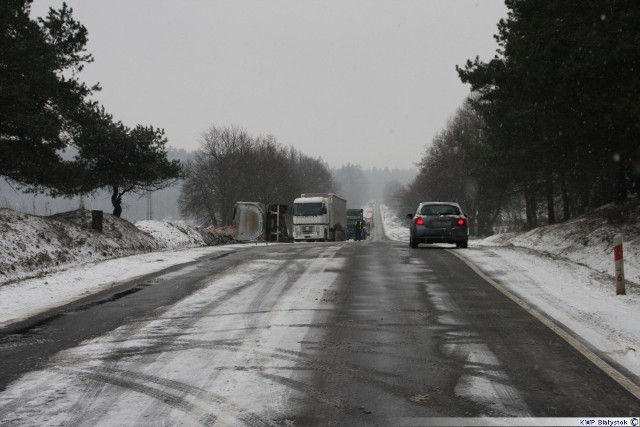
{"points": [[257, 222]]}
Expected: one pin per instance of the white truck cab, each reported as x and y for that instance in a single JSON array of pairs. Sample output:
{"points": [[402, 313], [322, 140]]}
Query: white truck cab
{"points": [[319, 217]]}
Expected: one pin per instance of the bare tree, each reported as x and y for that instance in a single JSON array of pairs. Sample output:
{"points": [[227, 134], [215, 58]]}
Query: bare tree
{"points": [[197, 197], [229, 153], [233, 166], [456, 167]]}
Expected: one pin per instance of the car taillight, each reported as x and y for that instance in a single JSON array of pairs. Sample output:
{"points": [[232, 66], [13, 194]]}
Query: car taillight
{"points": [[462, 221], [419, 220]]}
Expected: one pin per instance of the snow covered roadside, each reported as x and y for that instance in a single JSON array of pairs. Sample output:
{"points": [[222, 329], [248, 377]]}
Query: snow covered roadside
{"points": [[21, 300], [171, 234], [47, 262], [579, 296]]}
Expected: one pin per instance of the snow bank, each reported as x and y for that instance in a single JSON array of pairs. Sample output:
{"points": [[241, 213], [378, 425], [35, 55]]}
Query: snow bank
{"points": [[34, 246], [587, 240], [172, 235]]}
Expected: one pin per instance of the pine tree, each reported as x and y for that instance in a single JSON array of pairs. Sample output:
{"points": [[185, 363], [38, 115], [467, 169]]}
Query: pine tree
{"points": [[122, 160], [41, 98]]}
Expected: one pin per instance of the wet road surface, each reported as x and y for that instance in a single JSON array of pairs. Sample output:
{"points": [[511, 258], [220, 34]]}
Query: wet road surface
{"points": [[348, 333]]}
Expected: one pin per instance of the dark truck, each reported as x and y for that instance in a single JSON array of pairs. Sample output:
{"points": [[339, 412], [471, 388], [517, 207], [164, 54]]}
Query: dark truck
{"points": [[353, 215]]}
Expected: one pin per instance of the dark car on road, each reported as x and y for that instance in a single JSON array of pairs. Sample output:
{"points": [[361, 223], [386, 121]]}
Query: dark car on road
{"points": [[439, 222]]}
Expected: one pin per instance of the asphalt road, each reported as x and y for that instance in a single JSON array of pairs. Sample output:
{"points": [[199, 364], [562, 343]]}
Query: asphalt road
{"points": [[417, 334], [348, 333]]}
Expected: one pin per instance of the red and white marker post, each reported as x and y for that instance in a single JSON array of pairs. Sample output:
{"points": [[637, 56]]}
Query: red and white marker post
{"points": [[619, 261]]}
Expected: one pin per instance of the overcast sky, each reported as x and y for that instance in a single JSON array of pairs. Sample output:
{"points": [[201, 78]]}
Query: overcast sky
{"points": [[365, 82]]}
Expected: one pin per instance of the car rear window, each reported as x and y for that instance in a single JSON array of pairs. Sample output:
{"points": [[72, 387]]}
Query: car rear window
{"points": [[439, 210]]}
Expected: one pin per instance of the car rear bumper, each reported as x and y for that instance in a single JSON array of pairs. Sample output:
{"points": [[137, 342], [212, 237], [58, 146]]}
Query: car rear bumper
{"points": [[453, 235]]}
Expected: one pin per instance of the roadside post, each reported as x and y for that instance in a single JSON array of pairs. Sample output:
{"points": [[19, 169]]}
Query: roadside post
{"points": [[619, 263], [96, 220]]}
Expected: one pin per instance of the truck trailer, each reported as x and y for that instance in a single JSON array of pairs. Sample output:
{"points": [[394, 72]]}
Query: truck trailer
{"points": [[319, 217], [257, 222]]}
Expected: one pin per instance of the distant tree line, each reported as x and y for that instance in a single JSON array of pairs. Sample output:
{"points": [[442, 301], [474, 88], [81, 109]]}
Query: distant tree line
{"points": [[359, 186], [45, 110], [353, 184], [233, 166], [553, 126]]}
